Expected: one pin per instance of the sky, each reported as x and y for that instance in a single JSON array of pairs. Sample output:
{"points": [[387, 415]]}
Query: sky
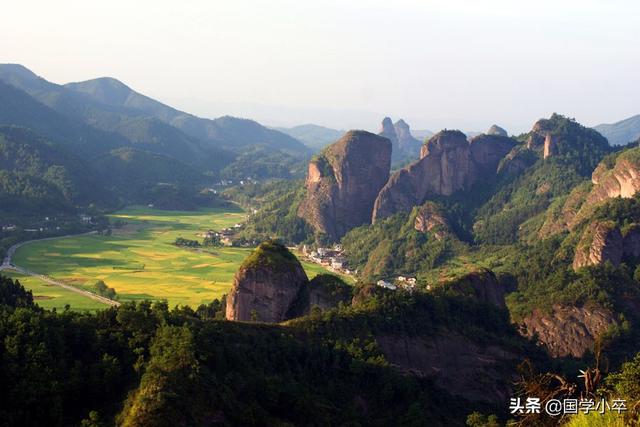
{"points": [[346, 64]]}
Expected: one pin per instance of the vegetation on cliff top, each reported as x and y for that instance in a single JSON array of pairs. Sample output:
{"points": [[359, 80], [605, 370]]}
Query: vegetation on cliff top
{"points": [[271, 254]]}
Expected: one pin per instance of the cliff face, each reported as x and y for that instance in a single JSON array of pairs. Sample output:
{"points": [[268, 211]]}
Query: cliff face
{"points": [[603, 241], [480, 285], [623, 180], [343, 182], [266, 285], [600, 242], [610, 179], [323, 292], [271, 286], [488, 150], [463, 368], [567, 330], [448, 163], [431, 219]]}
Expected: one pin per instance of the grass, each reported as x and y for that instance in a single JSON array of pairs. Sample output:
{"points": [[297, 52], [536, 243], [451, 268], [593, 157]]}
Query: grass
{"points": [[51, 296], [140, 261]]}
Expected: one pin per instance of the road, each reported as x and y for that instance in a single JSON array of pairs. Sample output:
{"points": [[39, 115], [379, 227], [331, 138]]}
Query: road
{"points": [[8, 265]]}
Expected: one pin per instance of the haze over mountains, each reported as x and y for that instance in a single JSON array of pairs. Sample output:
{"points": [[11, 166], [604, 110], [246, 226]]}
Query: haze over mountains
{"points": [[109, 127], [622, 132]]}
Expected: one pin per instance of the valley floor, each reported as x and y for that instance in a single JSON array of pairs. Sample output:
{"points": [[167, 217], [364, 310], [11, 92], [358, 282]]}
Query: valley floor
{"points": [[140, 260]]}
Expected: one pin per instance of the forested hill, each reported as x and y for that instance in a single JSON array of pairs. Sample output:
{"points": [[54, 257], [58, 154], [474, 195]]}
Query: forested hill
{"points": [[228, 132]]}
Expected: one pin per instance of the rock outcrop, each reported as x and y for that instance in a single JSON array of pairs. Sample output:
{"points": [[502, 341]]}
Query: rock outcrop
{"points": [[448, 163], [480, 285], [405, 146], [456, 364], [600, 242], [431, 219], [497, 131], [343, 182], [266, 285], [323, 292], [271, 286], [567, 330], [488, 150], [604, 242]]}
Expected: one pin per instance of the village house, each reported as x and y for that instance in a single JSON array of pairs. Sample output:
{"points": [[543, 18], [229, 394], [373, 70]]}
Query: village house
{"points": [[386, 285]]}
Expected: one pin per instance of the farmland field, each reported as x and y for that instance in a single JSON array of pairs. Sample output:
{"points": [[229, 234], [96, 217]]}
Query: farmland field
{"points": [[51, 296], [140, 261]]}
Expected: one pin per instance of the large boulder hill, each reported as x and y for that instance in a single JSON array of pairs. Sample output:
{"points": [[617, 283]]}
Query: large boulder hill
{"points": [[271, 286], [448, 163], [265, 285], [343, 182]]}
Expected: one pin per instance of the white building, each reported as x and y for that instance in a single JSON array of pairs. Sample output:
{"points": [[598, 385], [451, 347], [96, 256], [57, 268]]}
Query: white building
{"points": [[385, 284]]}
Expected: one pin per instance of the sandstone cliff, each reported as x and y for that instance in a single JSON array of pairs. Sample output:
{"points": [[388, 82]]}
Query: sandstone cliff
{"points": [[271, 286], [603, 241], [343, 182], [613, 177], [600, 242], [431, 219], [323, 292], [266, 285], [480, 285], [456, 364], [448, 163], [567, 330]]}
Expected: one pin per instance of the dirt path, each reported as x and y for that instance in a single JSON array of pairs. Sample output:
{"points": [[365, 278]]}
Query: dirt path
{"points": [[8, 265]]}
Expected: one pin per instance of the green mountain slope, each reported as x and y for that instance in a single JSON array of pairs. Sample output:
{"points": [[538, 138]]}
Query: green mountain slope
{"points": [[313, 136], [18, 108], [228, 132], [27, 160], [128, 126]]}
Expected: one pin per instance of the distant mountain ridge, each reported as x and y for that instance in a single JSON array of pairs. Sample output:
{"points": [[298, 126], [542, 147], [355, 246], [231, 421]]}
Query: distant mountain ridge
{"points": [[229, 132], [313, 136], [622, 132]]}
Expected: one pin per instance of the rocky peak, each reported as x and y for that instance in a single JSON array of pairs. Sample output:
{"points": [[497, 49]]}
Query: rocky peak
{"points": [[550, 145], [343, 182], [496, 130], [271, 286], [387, 129], [403, 131], [446, 140], [448, 163], [266, 285], [488, 150], [405, 146]]}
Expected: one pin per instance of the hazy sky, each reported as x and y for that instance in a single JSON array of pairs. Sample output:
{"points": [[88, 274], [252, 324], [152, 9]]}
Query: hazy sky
{"points": [[345, 64]]}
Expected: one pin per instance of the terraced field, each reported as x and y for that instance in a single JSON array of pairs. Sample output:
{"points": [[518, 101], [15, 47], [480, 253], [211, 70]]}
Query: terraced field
{"points": [[140, 261]]}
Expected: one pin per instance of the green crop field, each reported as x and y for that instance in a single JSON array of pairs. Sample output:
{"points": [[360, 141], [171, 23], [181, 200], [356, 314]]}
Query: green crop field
{"points": [[51, 296], [140, 261]]}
